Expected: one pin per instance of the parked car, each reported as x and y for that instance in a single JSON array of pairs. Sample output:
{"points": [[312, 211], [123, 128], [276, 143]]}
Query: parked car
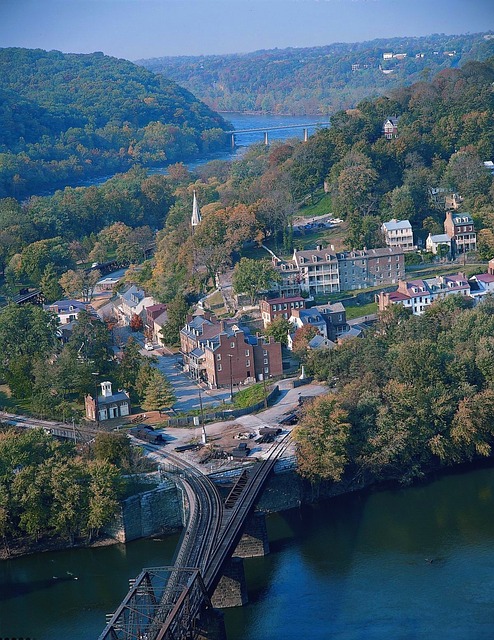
{"points": [[148, 346]]}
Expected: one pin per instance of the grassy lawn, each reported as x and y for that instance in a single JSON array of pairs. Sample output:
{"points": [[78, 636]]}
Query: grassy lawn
{"points": [[250, 396], [309, 239], [321, 206], [361, 310]]}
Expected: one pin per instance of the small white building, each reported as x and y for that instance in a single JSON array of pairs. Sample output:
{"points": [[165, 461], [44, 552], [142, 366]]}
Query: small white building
{"points": [[108, 405], [432, 243]]}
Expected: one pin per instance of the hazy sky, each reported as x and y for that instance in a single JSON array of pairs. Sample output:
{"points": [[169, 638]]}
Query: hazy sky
{"points": [[136, 29]]}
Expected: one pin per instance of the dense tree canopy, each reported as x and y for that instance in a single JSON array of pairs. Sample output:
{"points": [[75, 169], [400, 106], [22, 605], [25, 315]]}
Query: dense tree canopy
{"points": [[415, 393], [65, 117]]}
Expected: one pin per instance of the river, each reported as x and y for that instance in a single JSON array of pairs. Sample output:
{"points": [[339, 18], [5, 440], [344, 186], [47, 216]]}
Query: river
{"points": [[240, 121], [408, 564]]}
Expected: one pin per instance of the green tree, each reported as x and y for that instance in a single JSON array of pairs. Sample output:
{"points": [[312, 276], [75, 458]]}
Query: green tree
{"points": [[177, 314], [159, 392], [279, 328], [27, 333], [80, 283], [104, 484], [113, 448], [253, 277]]}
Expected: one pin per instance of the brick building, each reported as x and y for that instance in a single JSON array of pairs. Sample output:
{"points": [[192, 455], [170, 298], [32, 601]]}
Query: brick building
{"points": [[272, 308], [223, 355]]}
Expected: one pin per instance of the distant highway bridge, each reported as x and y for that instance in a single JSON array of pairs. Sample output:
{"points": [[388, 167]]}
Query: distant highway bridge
{"points": [[266, 130], [173, 603]]}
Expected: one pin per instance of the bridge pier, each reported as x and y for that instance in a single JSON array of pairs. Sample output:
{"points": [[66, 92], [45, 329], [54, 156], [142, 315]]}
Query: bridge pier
{"points": [[233, 141], [254, 542], [266, 138], [306, 134], [232, 587]]}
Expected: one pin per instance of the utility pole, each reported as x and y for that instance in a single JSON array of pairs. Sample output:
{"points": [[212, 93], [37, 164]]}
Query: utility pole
{"points": [[202, 419], [231, 378]]}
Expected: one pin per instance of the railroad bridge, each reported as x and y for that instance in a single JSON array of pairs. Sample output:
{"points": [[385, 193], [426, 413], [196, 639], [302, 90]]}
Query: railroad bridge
{"points": [[178, 602]]}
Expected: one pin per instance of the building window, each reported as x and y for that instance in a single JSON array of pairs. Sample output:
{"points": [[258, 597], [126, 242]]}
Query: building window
{"points": [[266, 369], [232, 345], [265, 361], [247, 363], [218, 356], [247, 353], [219, 367], [264, 353]]}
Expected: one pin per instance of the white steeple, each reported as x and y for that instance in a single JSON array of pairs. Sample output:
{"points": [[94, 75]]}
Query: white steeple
{"points": [[196, 214]]}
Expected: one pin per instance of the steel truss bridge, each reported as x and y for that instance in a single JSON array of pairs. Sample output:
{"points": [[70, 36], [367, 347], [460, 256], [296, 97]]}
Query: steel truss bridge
{"points": [[171, 603]]}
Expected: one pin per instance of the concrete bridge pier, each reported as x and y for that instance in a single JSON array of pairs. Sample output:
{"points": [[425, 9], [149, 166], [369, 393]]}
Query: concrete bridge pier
{"points": [[233, 141], [306, 134], [232, 587], [266, 138], [254, 542]]}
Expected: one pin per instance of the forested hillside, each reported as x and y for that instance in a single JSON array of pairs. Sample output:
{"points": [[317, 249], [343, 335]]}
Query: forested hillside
{"points": [[317, 80], [64, 117]]}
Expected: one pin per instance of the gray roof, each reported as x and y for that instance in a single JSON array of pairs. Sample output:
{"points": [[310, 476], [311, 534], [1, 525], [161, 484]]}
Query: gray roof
{"points": [[115, 397], [393, 225], [441, 238]]}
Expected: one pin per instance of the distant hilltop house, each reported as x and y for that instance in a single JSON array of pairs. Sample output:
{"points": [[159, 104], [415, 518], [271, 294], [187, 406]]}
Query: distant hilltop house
{"points": [[108, 405], [461, 230], [222, 354], [444, 198], [390, 128], [398, 233]]}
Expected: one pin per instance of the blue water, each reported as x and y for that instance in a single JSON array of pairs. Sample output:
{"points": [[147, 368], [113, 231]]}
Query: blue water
{"points": [[355, 568]]}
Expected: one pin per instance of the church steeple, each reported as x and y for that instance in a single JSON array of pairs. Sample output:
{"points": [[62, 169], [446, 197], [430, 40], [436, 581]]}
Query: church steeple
{"points": [[196, 214]]}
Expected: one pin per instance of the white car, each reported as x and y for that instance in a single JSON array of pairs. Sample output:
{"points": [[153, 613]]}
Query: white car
{"points": [[148, 346]]}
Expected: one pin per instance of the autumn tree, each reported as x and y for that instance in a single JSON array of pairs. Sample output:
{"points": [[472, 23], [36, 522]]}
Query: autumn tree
{"points": [[322, 439]]}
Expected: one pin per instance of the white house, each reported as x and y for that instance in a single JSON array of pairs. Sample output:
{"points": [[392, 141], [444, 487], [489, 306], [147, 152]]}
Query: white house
{"points": [[398, 233], [432, 243]]}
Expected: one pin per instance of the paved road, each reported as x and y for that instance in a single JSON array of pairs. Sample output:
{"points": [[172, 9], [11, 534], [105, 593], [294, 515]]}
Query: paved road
{"points": [[186, 389]]}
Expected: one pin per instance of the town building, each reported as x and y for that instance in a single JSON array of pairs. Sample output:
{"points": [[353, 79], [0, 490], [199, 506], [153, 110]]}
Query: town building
{"points": [[417, 295], [398, 233], [67, 310], [196, 213], [335, 317], [322, 271], [108, 405], [318, 269], [460, 229], [272, 308], [156, 315], [434, 242], [370, 267], [130, 302], [312, 317], [224, 354]]}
